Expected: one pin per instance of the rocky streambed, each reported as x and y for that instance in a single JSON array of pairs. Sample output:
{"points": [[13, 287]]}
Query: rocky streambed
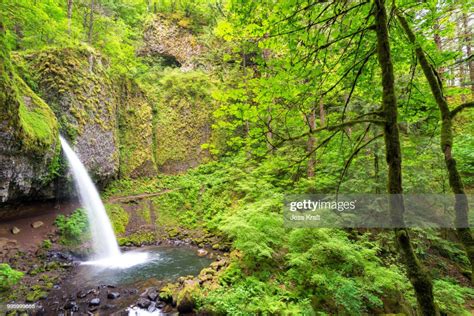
{"points": [[56, 282], [89, 288]]}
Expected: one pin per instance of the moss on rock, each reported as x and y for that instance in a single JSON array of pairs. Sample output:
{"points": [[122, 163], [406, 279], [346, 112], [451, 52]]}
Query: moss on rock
{"points": [[28, 136], [135, 132], [118, 216], [75, 83], [184, 118]]}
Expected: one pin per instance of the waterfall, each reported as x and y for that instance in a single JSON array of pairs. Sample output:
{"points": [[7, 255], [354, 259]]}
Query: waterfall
{"points": [[103, 237]]}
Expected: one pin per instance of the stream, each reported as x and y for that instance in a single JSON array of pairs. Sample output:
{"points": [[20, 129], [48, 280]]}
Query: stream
{"points": [[88, 282]]}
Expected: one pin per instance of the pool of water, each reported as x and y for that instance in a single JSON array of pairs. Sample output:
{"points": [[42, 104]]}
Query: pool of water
{"points": [[162, 263]]}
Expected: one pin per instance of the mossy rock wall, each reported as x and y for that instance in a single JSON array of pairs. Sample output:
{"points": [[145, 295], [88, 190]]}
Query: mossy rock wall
{"points": [[29, 144], [135, 132], [183, 121], [166, 38], [75, 84]]}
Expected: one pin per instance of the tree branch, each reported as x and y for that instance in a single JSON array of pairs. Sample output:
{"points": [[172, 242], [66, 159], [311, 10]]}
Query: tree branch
{"points": [[461, 107]]}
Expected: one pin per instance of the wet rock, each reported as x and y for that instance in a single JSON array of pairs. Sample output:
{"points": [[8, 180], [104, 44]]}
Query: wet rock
{"points": [[167, 309], [71, 305], [108, 306], [218, 264], [113, 295], [15, 230], [186, 305], [143, 303], [152, 307], [160, 305], [82, 294], [93, 292], [202, 252], [94, 302], [37, 224], [185, 300], [58, 255], [152, 294]]}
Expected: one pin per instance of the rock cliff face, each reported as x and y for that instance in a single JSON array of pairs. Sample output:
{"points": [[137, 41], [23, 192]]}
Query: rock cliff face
{"points": [[166, 39], [135, 132], [111, 123], [75, 85], [29, 147], [184, 119]]}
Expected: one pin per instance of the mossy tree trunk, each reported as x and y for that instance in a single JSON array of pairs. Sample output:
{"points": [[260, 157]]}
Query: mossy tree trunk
{"points": [[461, 205], [311, 120], [416, 273]]}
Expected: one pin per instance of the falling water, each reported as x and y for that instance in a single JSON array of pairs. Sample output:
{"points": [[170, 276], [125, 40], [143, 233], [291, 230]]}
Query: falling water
{"points": [[103, 238], [106, 249]]}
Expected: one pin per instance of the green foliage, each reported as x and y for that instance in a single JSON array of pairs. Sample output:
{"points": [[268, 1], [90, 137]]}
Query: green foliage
{"points": [[8, 277], [257, 229], [137, 239], [341, 272], [451, 297], [118, 216], [47, 244], [73, 229]]}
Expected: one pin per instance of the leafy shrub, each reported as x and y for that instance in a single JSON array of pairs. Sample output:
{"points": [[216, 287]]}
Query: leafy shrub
{"points": [[74, 228], [451, 297], [8, 276]]}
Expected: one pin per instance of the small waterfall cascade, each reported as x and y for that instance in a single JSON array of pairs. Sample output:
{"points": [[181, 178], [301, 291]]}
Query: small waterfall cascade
{"points": [[103, 237]]}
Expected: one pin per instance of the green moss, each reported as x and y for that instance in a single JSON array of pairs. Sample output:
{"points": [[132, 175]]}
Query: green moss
{"points": [[183, 120], [145, 212], [65, 74], [37, 121], [37, 292], [118, 216], [137, 239], [135, 132]]}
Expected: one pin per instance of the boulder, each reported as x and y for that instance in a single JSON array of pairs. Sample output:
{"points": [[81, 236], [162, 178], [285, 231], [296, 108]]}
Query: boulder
{"points": [[186, 301], [15, 230], [113, 295], [202, 252], [71, 305], [143, 302], [37, 224], [152, 294], [82, 294], [152, 307], [94, 302]]}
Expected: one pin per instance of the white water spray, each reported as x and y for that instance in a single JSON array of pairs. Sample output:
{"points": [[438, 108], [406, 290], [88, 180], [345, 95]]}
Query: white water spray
{"points": [[106, 249]]}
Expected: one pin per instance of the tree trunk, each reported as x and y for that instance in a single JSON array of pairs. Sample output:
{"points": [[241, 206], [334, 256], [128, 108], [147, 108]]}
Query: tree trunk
{"points": [[455, 182], [461, 35], [69, 15], [439, 45], [417, 275], [376, 167], [468, 41], [269, 133], [311, 117], [322, 113]]}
